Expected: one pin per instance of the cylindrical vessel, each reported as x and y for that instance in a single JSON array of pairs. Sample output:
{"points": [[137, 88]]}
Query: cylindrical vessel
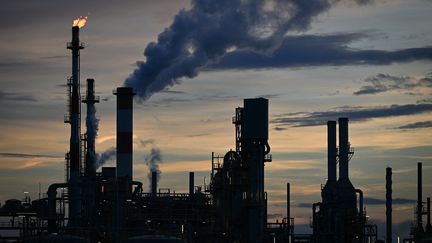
{"points": [[343, 148], [389, 205], [331, 150], [124, 132], [154, 176], [191, 183], [75, 138]]}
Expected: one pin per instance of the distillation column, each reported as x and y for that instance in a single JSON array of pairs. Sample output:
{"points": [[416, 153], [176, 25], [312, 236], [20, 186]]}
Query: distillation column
{"points": [[75, 120], [254, 149]]}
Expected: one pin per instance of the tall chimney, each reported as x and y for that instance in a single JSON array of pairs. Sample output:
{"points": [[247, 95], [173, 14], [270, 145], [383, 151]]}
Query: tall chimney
{"points": [[90, 100], [154, 183], [331, 150], [343, 148], [191, 183], [428, 224], [389, 205], [288, 204], [124, 132], [419, 198], [74, 119]]}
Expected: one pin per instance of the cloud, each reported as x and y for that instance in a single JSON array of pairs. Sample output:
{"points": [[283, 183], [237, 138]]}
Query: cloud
{"points": [[384, 82], [20, 155], [320, 50], [378, 201], [416, 125], [198, 135], [354, 113], [304, 205], [15, 96], [54, 57]]}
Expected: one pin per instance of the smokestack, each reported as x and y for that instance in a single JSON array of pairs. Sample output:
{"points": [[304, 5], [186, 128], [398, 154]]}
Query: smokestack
{"points": [[124, 132], [154, 183], [389, 205], [92, 128], [288, 204], [428, 224], [74, 119], [331, 150], [191, 183], [419, 197], [343, 148]]}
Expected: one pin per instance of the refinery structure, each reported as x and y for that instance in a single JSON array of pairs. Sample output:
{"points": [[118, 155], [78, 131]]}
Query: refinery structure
{"points": [[110, 206]]}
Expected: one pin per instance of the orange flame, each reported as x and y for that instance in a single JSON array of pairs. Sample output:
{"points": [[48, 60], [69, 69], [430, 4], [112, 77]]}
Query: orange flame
{"points": [[80, 22]]}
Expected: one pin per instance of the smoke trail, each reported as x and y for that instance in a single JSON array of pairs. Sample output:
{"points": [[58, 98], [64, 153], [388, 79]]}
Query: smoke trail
{"points": [[152, 161], [206, 32], [107, 155], [147, 142]]}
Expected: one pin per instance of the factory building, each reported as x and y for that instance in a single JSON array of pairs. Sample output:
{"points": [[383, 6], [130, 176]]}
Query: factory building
{"points": [[340, 217]]}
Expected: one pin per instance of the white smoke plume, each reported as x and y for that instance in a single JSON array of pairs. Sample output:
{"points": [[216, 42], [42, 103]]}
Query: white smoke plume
{"points": [[152, 159], [203, 34], [105, 156]]}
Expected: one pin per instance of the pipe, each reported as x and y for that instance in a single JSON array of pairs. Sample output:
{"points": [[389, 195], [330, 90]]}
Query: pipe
{"points": [[343, 148], [331, 150], [52, 197], [419, 197], [288, 204], [191, 184], [428, 212], [124, 132], [389, 205], [154, 183], [75, 140]]}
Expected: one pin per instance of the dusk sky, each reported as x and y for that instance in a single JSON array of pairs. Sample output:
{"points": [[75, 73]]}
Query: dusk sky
{"points": [[369, 61]]}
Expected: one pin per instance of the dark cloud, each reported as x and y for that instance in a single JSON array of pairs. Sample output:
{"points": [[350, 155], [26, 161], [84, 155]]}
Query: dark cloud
{"points": [[354, 113], [8, 64], [279, 129], [416, 125], [320, 50], [198, 135], [378, 201], [20, 155], [384, 82], [54, 57], [268, 96], [15, 96], [173, 92], [275, 216], [304, 205]]}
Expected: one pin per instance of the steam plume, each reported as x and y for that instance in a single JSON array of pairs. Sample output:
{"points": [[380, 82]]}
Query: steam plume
{"points": [[206, 32], [92, 124], [147, 142], [152, 161], [107, 155]]}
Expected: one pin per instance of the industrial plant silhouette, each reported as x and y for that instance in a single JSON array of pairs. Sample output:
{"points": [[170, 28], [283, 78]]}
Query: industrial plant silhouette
{"points": [[110, 206]]}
